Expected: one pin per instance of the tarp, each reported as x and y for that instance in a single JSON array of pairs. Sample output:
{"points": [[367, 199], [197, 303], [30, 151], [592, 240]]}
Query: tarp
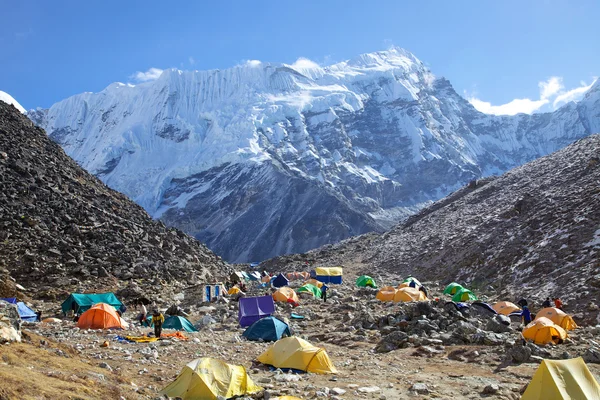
{"points": [[296, 353], [26, 313], [251, 309], [365, 280], [254, 275], [101, 316], [286, 295], [308, 288], [484, 307], [505, 307], [452, 288], [544, 331], [179, 324], [208, 378], [280, 281], [562, 379], [269, 329], [464, 295], [84, 302], [558, 316], [329, 274]]}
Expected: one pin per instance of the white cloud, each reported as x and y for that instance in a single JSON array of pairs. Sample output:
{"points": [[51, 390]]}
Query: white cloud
{"points": [[573, 94], [304, 63], [552, 91], [253, 63], [150, 75]]}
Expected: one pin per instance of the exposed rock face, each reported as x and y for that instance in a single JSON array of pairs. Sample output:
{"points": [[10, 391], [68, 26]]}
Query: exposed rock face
{"points": [[533, 232], [375, 138], [60, 225]]}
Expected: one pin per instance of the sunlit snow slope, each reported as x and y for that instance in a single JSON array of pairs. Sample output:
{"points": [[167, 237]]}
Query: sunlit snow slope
{"points": [[266, 159]]}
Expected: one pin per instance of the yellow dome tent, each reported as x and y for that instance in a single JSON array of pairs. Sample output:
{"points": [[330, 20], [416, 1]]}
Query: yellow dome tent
{"points": [[407, 294], [562, 379], [296, 353], [314, 282], [386, 293], [559, 317], [234, 290], [544, 331], [208, 378], [285, 295], [505, 307]]}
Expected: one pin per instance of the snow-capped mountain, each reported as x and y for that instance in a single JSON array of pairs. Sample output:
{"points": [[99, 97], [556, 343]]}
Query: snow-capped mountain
{"points": [[266, 159], [7, 98]]}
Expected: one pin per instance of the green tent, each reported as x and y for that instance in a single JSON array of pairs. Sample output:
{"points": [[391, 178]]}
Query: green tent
{"points": [[178, 323], [410, 278], [309, 288], [365, 280], [83, 302], [464, 295], [452, 288]]}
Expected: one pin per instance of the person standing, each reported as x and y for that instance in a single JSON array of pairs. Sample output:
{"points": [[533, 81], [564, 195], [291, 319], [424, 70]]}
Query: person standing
{"points": [[143, 315], [558, 303], [157, 319], [547, 303], [324, 292], [526, 315]]}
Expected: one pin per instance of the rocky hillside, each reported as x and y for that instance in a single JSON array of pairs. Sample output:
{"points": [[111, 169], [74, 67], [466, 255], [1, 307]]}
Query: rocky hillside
{"points": [[374, 138], [534, 231], [60, 225]]}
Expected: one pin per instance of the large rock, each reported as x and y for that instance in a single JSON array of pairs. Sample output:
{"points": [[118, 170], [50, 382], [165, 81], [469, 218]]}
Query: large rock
{"points": [[391, 342], [10, 323]]}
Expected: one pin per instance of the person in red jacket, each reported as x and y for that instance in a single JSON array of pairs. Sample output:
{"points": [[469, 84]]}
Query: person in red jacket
{"points": [[558, 303]]}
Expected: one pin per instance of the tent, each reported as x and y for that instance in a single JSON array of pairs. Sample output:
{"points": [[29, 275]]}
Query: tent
{"points": [[178, 323], [251, 309], [286, 295], [233, 290], [280, 281], [268, 329], [408, 294], [329, 275], [266, 279], [412, 280], [308, 288], [26, 313], [315, 282], [208, 378], [505, 307], [83, 302], [544, 331], [386, 293], [452, 288], [562, 379], [296, 353], [464, 295], [101, 316], [558, 316], [236, 277], [365, 280]]}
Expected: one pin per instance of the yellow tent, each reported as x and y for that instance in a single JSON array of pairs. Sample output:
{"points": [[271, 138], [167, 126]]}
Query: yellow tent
{"points": [[386, 293], [559, 317], [505, 307], [314, 282], [285, 295], [208, 378], [562, 379], [293, 352], [544, 331], [403, 285], [234, 290], [407, 294]]}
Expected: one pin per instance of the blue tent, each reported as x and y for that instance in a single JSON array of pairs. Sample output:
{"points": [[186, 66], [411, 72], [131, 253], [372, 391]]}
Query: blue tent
{"points": [[280, 281], [26, 313], [178, 323], [268, 329]]}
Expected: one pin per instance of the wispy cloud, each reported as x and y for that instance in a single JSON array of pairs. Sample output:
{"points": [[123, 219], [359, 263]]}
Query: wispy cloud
{"points": [[253, 63], [304, 63], [552, 92], [150, 75], [191, 60]]}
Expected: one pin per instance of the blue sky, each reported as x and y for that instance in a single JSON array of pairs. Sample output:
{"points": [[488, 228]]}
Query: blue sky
{"points": [[541, 53]]}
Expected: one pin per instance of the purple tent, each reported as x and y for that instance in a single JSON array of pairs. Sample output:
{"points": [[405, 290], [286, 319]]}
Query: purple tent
{"points": [[251, 309]]}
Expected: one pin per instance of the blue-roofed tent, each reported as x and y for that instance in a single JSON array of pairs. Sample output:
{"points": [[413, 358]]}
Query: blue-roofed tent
{"points": [[268, 329], [329, 275], [26, 313], [280, 281]]}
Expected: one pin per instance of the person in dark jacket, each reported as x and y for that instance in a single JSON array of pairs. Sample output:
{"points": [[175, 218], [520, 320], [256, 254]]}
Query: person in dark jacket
{"points": [[324, 292], [547, 303], [526, 315]]}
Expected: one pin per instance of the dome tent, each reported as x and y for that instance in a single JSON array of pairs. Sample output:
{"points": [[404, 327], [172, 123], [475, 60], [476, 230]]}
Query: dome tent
{"points": [[298, 354], [452, 288], [268, 329], [365, 280]]}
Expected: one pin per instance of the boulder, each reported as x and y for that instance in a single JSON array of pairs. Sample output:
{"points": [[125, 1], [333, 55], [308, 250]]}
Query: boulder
{"points": [[10, 323], [391, 342]]}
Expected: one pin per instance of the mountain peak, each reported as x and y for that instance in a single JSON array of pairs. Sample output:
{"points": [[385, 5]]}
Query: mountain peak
{"points": [[7, 98]]}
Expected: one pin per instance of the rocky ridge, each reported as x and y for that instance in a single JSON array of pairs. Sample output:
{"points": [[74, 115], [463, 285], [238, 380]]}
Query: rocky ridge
{"points": [[534, 231], [61, 226]]}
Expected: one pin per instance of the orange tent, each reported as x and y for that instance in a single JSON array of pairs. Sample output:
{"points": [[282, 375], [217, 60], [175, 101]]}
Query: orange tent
{"points": [[386, 293], [559, 317], [407, 294], [286, 295], [101, 316], [266, 279], [304, 275], [292, 276], [544, 331], [505, 307], [314, 282]]}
